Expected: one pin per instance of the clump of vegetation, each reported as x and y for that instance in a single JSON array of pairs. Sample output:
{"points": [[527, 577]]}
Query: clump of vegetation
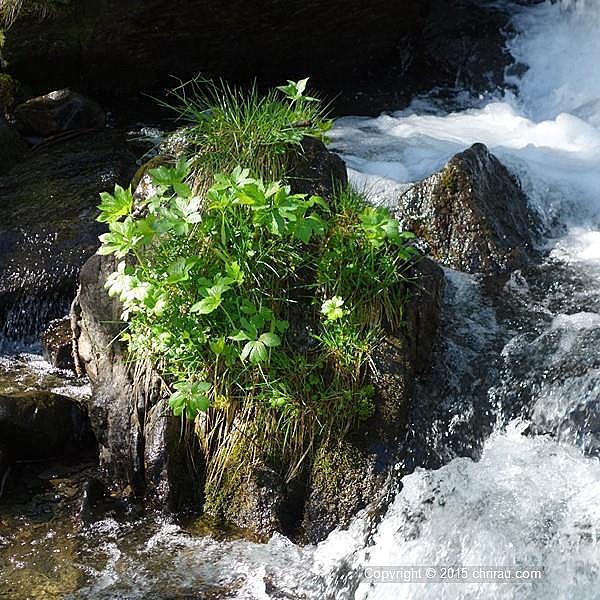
{"points": [[258, 306], [225, 126]]}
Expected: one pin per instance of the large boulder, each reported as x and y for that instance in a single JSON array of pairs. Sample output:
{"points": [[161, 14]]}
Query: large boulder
{"points": [[142, 446], [57, 112], [48, 228], [472, 215]]}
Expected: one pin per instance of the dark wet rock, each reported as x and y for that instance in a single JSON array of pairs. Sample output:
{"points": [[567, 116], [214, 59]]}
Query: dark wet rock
{"points": [[472, 215], [255, 500], [461, 46], [12, 146], [349, 474], [93, 493], [57, 344], [5, 466], [172, 461], [48, 228], [43, 425], [316, 170], [116, 412], [57, 112], [142, 447], [378, 55]]}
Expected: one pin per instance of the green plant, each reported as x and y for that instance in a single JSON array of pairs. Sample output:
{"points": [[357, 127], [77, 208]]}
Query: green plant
{"points": [[259, 307], [225, 126]]}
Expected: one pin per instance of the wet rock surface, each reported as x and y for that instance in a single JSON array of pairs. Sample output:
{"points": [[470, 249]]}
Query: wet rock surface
{"points": [[57, 344], [57, 112], [48, 228], [142, 446], [317, 171], [472, 215]]}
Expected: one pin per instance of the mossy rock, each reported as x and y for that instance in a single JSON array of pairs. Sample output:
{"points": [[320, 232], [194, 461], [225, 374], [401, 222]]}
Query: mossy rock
{"points": [[249, 495]]}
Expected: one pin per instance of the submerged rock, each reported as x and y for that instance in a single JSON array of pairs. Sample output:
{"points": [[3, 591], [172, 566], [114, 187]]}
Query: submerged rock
{"points": [[57, 112], [472, 215], [48, 228]]}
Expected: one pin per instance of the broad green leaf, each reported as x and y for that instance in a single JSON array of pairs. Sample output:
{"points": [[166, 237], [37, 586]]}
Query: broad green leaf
{"points": [[113, 207], [240, 336], [207, 305], [256, 351], [183, 190], [270, 340]]}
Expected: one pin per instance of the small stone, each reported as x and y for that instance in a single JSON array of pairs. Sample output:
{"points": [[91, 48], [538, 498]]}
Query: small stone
{"points": [[57, 344], [57, 112]]}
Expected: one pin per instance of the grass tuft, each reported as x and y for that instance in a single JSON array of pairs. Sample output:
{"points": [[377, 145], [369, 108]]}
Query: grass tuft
{"points": [[226, 126]]}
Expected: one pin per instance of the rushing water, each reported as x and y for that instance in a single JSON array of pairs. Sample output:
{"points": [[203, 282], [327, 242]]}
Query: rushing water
{"points": [[506, 450]]}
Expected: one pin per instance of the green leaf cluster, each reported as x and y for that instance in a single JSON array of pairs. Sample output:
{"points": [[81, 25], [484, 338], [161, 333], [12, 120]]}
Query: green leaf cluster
{"points": [[255, 301]]}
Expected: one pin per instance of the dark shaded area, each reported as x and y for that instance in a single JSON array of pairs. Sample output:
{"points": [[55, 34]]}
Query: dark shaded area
{"points": [[369, 56]]}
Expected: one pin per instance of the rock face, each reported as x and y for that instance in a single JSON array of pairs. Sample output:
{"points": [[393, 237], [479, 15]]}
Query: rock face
{"points": [[377, 54], [142, 447], [472, 215], [48, 228], [57, 112]]}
